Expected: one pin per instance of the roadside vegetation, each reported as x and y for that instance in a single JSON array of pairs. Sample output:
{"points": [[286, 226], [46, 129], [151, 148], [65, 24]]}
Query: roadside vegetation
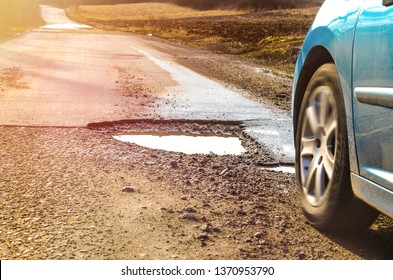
{"points": [[202, 4], [17, 16], [246, 4], [268, 37]]}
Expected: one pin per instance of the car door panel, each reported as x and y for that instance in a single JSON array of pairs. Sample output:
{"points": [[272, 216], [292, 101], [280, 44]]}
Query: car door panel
{"points": [[373, 92]]}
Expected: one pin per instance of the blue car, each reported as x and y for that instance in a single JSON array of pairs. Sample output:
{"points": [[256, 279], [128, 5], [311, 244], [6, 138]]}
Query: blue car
{"points": [[342, 105]]}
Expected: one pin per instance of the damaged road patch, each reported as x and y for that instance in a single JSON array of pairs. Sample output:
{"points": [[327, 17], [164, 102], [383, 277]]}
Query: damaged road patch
{"points": [[12, 78], [188, 137]]}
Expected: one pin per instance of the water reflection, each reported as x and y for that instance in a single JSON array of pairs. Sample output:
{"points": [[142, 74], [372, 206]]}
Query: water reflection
{"points": [[66, 26]]}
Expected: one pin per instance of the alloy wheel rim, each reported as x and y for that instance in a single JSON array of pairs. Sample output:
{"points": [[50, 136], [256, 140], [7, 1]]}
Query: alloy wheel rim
{"points": [[318, 144]]}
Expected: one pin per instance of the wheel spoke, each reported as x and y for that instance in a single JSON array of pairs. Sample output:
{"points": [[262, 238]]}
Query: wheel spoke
{"points": [[324, 108], [320, 183], [310, 175], [331, 125], [328, 164], [308, 146], [312, 119]]}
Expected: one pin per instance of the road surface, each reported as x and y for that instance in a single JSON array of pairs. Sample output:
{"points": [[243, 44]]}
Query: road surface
{"points": [[67, 75]]}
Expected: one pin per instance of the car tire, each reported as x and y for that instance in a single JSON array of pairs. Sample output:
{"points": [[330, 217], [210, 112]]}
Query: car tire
{"points": [[322, 161]]}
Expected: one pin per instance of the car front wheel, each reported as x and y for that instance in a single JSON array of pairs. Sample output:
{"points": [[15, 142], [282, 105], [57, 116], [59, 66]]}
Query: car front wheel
{"points": [[322, 164]]}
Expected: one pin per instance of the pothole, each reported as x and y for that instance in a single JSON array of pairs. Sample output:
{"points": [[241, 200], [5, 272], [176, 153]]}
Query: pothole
{"points": [[198, 137], [188, 144]]}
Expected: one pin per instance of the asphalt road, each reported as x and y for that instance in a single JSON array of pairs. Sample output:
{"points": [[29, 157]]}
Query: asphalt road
{"points": [[66, 74]]}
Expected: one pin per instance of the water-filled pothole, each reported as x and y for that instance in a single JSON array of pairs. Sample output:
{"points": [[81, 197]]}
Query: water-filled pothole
{"points": [[188, 144]]}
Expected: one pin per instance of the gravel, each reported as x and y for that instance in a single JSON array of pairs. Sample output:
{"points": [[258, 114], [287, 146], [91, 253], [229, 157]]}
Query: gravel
{"points": [[62, 197]]}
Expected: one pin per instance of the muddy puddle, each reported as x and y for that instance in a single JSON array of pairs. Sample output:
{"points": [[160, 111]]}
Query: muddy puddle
{"points": [[188, 144]]}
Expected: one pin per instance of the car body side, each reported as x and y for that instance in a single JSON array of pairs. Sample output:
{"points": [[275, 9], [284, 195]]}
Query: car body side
{"points": [[331, 40]]}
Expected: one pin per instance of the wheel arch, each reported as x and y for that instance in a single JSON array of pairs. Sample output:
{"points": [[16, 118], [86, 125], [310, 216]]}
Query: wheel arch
{"points": [[317, 56]]}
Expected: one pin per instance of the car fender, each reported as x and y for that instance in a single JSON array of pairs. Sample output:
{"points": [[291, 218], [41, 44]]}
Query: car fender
{"points": [[333, 28]]}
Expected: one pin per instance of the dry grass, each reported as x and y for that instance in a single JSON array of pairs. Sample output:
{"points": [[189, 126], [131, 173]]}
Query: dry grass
{"points": [[271, 38], [146, 11], [7, 32], [17, 16]]}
